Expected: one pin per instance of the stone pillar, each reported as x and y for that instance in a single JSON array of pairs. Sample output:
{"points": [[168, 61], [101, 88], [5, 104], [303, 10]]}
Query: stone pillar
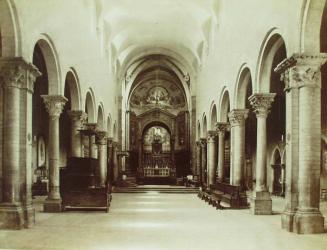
{"points": [[172, 150], [212, 161], [54, 105], [140, 164], [92, 146], [221, 128], [115, 162], [292, 142], [308, 218], [110, 159], [26, 143], [78, 119], [198, 161], [101, 141], [17, 79], [262, 203], [203, 142], [237, 121]]}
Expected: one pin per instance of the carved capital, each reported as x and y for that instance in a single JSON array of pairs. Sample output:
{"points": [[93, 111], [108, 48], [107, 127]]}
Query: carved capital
{"points": [[17, 73], [198, 144], [222, 127], [110, 142], [92, 127], [203, 142], [261, 103], [237, 117], [211, 137], [54, 104], [301, 70], [77, 116], [101, 137]]}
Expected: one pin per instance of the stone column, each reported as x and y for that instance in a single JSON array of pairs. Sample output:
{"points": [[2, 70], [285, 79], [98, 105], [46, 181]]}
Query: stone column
{"points": [[140, 165], [262, 203], [203, 142], [26, 143], [54, 105], [308, 218], [221, 128], [101, 141], [292, 142], [237, 121], [211, 146], [114, 160], [92, 147], [172, 150], [198, 161], [110, 159], [78, 119], [17, 79]]}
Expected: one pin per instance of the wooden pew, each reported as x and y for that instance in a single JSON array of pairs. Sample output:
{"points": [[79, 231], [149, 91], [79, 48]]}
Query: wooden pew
{"points": [[79, 185], [233, 195]]}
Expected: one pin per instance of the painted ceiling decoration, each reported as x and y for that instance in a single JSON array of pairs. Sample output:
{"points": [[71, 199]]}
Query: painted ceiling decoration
{"points": [[157, 94]]}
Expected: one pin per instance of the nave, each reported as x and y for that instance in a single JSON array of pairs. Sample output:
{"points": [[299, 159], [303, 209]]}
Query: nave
{"points": [[157, 221]]}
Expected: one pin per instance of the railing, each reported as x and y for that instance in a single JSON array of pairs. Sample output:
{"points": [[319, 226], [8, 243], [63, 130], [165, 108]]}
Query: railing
{"points": [[156, 172], [157, 165]]}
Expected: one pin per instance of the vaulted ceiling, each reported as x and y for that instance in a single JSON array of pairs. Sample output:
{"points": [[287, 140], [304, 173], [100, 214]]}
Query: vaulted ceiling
{"points": [[181, 27]]}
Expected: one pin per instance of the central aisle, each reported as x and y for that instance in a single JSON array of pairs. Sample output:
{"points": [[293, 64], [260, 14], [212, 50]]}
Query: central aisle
{"points": [[158, 221]]}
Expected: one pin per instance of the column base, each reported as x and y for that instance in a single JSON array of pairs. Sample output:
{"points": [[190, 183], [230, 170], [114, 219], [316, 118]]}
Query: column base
{"points": [[11, 216], [308, 222], [29, 215], [261, 203], [287, 220], [52, 206]]}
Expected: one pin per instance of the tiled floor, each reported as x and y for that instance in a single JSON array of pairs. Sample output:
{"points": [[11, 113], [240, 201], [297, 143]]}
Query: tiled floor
{"points": [[160, 221]]}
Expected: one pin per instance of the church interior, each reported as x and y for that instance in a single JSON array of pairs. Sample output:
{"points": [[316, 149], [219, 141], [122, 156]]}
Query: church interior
{"points": [[171, 124]]}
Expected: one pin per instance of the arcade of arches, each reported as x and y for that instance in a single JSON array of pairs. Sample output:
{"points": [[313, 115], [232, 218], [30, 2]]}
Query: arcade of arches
{"points": [[166, 94]]}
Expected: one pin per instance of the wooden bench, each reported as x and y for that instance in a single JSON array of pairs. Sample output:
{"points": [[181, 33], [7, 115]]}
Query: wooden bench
{"points": [[79, 186], [233, 195], [208, 196]]}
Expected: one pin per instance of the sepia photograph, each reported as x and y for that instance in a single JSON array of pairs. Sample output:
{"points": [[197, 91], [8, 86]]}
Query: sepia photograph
{"points": [[163, 124]]}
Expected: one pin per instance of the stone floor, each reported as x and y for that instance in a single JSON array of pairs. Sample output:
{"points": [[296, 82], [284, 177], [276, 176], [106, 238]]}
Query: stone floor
{"points": [[160, 221]]}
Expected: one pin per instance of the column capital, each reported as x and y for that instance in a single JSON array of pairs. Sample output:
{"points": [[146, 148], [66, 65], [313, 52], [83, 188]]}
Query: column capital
{"points": [[101, 137], [203, 142], [261, 103], [93, 127], [198, 144], [211, 136], [15, 72], [301, 70], [222, 127], [237, 117], [54, 104], [77, 116]]}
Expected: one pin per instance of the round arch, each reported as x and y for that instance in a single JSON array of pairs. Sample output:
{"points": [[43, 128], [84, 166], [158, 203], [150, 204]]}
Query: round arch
{"points": [[90, 106], [109, 125], [270, 46], [10, 29], [244, 79], [115, 131], [311, 16], [52, 63], [74, 89], [276, 157], [199, 130], [156, 123], [224, 106], [100, 117], [204, 126], [213, 116]]}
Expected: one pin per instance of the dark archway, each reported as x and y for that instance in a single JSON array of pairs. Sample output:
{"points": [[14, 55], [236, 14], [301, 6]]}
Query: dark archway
{"points": [[40, 124]]}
